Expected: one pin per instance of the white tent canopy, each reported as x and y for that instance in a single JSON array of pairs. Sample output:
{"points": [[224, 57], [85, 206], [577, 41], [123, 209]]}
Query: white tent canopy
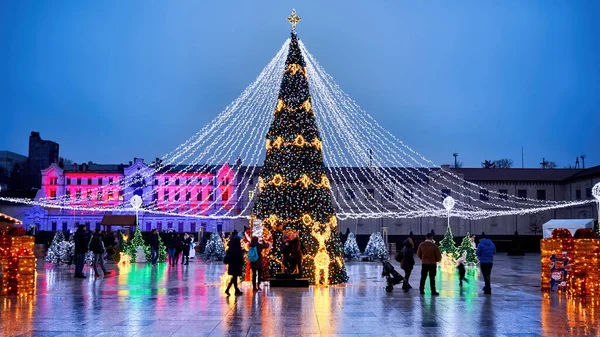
{"points": [[571, 224]]}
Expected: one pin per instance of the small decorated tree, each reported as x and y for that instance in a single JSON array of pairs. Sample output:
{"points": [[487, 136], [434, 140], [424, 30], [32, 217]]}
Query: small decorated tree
{"points": [[448, 248], [162, 251], [214, 248], [376, 246], [467, 247], [131, 248], [351, 250], [56, 247]]}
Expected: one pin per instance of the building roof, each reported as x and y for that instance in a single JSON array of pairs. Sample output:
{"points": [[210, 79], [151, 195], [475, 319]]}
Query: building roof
{"points": [[6, 218], [515, 174]]}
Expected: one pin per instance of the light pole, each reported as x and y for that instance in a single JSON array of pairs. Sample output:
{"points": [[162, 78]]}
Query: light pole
{"points": [[449, 205], [136, 203], [596, 194]]}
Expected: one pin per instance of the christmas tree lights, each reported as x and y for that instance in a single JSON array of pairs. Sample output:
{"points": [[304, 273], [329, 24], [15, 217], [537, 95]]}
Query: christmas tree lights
{"points": [[351, 250], [376, 247], [215, 249], [466, 247]]}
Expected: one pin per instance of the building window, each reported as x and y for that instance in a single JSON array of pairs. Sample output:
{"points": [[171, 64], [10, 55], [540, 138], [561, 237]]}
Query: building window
{"points": [[176, 181], [483, 194], [169, 225], [188, 181], [121, 195], [159, 226], [503, 194], [155, 182], [251, 181], [148, 226], [522, 194], [180, 227], [88, 195], [588, 193], [193, 227], [89, 181], [52, 194], [68, 181], [99, 196], [54, 226], [78, 181], [541, 194], [370, 193], [199, 196], [166, 181], [99, 181], [578, 194], [166, 195], [110, 181], [199, 181], [78, 194], [155, 195], [250, 195], [188, 196], [176, 196], [225, 195], [350, 194], [110, 195], [211, 196], [446, 193], [65, 226]]}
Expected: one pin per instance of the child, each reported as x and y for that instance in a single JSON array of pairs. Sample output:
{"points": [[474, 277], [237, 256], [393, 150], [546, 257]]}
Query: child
{"points": [[461, 268]]}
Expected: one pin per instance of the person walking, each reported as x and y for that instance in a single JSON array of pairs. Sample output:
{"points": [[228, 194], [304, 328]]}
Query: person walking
{"points": [[234, 259], [178, 247], [154, 246], [256, 261], [430, 255], [407, 263], [97, 247], [81, 247], [172, 247], [187, 241], [485, 252], [462, 270]]}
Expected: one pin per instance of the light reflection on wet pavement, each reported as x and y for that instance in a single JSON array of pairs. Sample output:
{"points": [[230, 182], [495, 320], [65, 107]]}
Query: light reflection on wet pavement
{"points": [[189, 301]]}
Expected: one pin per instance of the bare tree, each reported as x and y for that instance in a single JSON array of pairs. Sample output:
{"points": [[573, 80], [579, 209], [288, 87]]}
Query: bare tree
{"points": [[487, 164], [503, 163], [535, 223], [548, 164]]}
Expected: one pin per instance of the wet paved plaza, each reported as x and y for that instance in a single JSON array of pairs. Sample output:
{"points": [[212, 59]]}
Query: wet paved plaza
{"points": [[189, 301]]}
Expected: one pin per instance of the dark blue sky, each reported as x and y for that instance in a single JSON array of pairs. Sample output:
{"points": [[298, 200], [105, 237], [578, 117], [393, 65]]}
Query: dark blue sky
{"points": [[113, 80]]}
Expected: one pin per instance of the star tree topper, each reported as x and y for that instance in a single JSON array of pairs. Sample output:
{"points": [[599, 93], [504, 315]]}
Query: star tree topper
{"points": [[294, 19]]}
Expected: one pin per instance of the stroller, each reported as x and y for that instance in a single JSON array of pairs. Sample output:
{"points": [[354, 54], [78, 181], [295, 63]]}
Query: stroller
{"points": [[392, 276]]}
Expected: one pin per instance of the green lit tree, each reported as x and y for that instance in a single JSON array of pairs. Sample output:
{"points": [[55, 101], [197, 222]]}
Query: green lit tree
{"points": [[294, 192], [467, 247], [132, 247], [447, 245], [162, 251], [376, 246], [351, 250]]}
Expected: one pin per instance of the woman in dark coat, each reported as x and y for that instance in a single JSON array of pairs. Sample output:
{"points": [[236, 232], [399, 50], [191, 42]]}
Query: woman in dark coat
{"points": [[257, 266], [234, 259], [408, 262]]}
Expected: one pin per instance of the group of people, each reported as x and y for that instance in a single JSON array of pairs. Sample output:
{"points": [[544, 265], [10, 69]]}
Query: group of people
{"points": [[430, 256], [95, 244], [234, 259], [177, 244]]}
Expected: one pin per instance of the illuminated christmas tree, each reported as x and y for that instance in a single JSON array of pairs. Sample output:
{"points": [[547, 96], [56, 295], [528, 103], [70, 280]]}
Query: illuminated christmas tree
{"points": [[132, 247], [57, 249], [214, 249], [376, 247], [162, 251], [466, 246], [447, 245], [294, 192], [351, 250]]}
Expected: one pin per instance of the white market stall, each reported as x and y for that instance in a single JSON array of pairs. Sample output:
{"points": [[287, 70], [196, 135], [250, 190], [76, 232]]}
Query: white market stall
{"points": [[571, 224]]}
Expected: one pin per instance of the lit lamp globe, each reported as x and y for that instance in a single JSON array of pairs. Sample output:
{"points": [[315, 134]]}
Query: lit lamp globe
{"points": [[596, 191], [136, 202], [449, 203]]}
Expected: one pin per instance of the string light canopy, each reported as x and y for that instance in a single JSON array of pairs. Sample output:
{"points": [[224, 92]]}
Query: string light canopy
{"points": [[369, 172]]}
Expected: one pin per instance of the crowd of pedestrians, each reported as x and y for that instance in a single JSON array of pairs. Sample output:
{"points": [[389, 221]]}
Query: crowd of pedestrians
{"points": [[430, 255]]}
